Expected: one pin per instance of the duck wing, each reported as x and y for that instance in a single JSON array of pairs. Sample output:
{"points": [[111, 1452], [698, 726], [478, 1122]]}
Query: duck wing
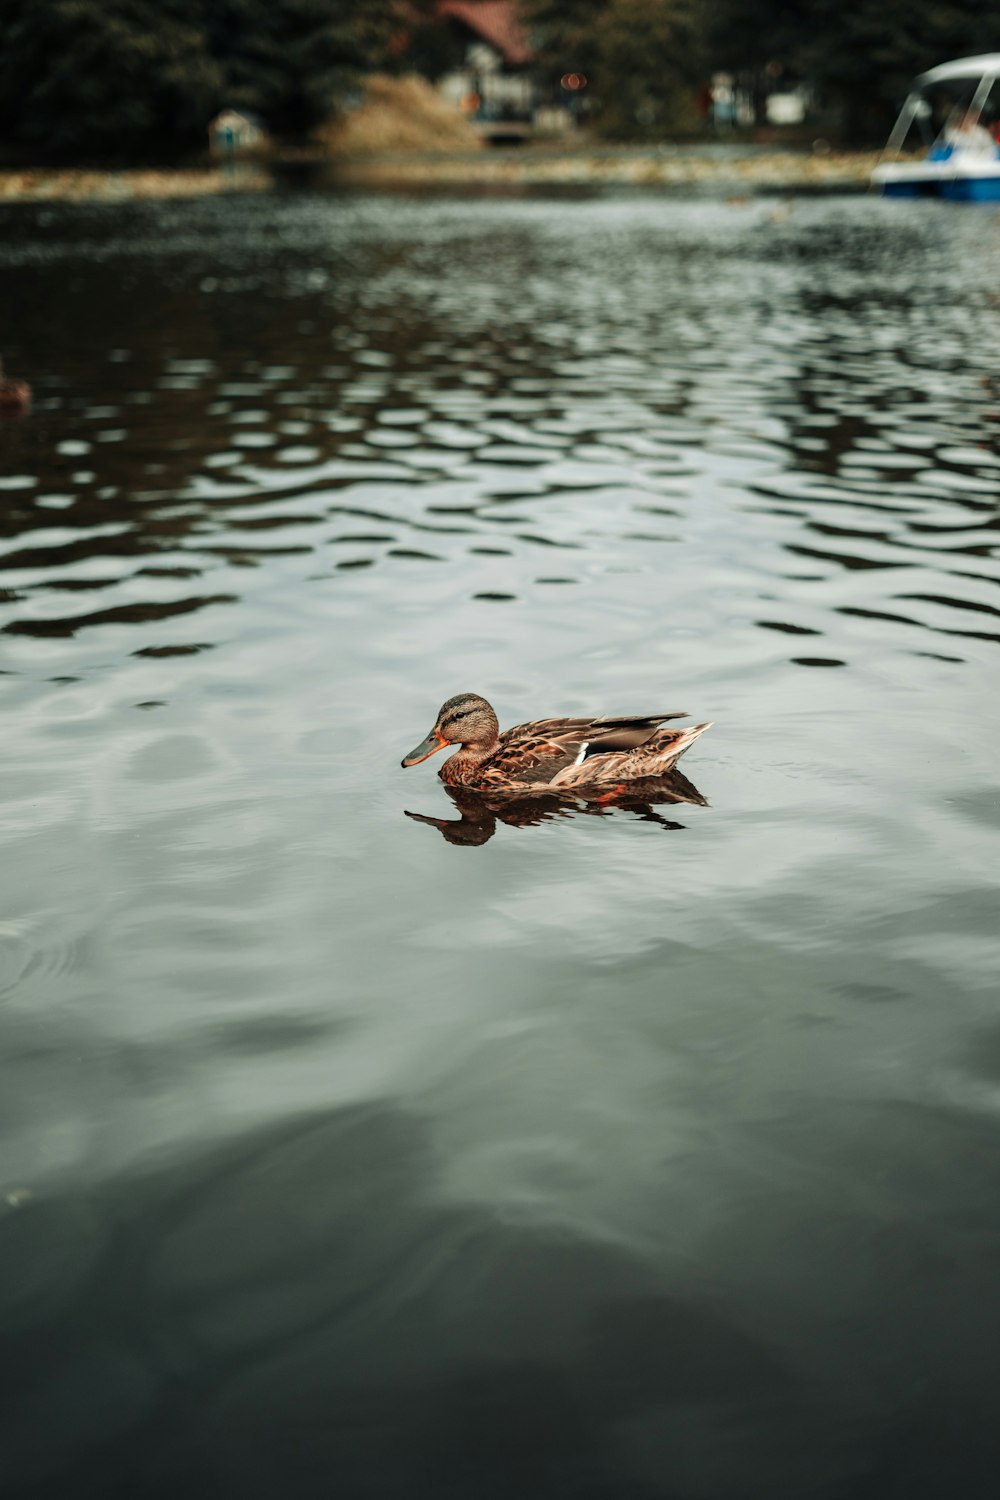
{"points": [[537, 752]]}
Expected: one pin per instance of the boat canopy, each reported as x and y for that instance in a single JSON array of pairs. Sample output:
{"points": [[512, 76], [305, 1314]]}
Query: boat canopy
{"points": [[956, 109], [982, 71], [962, 67]]}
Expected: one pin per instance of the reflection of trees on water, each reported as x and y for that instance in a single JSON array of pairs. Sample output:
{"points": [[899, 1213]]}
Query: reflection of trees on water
{"points": [[256, 379], [479, 814], [173, 404]]}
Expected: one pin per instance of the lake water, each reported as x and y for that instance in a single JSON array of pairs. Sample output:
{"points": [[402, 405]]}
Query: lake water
{"points": [[620, 1157]]}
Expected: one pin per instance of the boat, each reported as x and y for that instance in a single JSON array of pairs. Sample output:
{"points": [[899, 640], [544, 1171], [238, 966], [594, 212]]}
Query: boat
{"points": [[952, 112]]}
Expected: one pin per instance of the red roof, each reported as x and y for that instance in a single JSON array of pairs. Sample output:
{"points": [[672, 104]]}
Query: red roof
{"points": [[498, 22]]}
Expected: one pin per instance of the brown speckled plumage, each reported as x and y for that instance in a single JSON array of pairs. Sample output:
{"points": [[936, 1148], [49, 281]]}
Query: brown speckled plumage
{"points": [[562, 755]]}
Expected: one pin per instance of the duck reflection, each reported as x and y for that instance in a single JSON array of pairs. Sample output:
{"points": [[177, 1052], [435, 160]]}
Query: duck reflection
{"points": [[480, 813]]}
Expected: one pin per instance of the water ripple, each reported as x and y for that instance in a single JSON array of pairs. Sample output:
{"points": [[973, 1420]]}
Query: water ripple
{"points": [[555, 410], [319, 1127]]}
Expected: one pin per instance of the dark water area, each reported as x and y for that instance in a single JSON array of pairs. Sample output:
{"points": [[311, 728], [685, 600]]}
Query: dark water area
{"points": [[606, 1157]]}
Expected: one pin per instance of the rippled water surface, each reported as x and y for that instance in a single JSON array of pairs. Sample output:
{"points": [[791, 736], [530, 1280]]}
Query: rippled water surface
{"points": [[642, 1156]]}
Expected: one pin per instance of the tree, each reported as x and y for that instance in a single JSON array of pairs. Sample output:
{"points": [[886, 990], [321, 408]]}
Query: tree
{"points": [[131, 77], [77, 75], [289, 59], [860, 56], [642, 58]]}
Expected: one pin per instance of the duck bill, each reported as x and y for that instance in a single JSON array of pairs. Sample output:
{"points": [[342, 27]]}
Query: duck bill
{"points": [[428, 747]]}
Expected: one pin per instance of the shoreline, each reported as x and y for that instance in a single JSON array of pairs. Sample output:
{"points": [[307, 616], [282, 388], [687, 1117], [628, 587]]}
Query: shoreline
{"points": [[750, 168], [735, 168]]}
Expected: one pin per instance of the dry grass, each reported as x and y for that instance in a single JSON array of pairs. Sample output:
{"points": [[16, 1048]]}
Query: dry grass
{"points": [[399, 114], [764, 171], [373, 165], [68, 183]]}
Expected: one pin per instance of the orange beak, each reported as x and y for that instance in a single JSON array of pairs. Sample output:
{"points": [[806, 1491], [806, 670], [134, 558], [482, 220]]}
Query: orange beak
{"points": [[434, 742]]}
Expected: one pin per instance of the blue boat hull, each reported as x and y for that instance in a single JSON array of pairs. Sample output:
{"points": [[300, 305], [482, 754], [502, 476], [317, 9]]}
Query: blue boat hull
{"points": [[910, 189], [953, 188], [971, 189]]}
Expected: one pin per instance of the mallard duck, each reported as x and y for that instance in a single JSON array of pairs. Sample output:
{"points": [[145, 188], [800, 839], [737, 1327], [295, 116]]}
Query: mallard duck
{"points": [[15, 395], [560, 755]]}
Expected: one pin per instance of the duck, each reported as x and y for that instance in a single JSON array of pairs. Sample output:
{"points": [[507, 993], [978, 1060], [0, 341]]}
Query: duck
{"points": [[608, 755], [15, 395]]}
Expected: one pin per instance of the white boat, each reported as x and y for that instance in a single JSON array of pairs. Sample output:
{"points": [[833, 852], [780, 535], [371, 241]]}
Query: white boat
{"points": [[952, 113]]}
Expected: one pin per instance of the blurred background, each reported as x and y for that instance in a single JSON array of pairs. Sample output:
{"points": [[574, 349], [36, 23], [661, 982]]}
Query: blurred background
{"points": [[131, 80]]}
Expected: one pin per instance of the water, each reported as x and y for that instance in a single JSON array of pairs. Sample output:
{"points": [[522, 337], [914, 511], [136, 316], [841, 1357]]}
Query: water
{"points": [[609, 1157]]}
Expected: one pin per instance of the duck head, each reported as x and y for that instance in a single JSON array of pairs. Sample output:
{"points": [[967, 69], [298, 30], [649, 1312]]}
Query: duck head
{"points": [[465, 720]]}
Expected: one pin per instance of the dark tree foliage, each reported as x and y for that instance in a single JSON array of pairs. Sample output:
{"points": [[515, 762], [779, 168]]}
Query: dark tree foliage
{"points": [[432, 50], [643, 59], [861, 55], [134, 76], [77, 76], [421, 44], [288, 59]]}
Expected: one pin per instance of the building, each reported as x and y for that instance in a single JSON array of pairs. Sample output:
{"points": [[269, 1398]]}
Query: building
{"points": [[489, 71]]}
